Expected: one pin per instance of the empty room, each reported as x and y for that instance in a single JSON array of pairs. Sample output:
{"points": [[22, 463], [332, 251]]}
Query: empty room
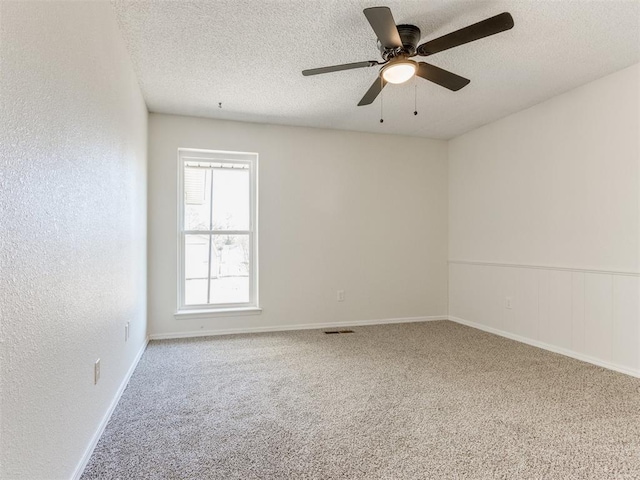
{"points": [[323, 239]]}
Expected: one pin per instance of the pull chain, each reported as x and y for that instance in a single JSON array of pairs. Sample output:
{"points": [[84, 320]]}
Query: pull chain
{"points": [[415, 96], [381, 97]]}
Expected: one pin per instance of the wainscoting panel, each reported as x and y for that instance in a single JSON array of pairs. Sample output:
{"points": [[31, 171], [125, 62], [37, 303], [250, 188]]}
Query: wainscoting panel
{"points": [[626, 327], [598, 318], [591, 315], [577, 311]]}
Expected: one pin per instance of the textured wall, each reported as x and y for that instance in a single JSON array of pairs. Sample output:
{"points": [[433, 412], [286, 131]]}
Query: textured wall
{"points": [[73, 232], [363, 213], [554, 190]]}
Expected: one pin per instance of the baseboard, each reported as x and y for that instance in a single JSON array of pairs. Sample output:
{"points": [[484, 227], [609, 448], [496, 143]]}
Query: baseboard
{"points": [[301, 326], [552, 348], [105, 419]]}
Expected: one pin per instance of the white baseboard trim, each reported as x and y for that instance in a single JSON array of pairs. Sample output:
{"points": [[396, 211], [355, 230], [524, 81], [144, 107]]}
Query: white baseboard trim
{"points": [[552, 348], [300, 326], [105, 419]]}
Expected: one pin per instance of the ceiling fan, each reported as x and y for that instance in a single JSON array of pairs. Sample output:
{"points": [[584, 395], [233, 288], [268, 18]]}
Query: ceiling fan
{"points": [[398, 44]]}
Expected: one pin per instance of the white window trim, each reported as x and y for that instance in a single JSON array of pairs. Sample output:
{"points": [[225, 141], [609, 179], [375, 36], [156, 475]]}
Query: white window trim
{"points": [[218, 312], [204, 310]]}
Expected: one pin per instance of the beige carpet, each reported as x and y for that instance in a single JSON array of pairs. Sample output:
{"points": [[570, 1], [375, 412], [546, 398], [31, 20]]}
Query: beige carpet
{"points": [[412, 401]]}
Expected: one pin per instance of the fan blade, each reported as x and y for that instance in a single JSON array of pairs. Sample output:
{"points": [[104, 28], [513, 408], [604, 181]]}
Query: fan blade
{"points": [[337, 68], [442, 77], [373, 92], [384, 26], [479, 30]]}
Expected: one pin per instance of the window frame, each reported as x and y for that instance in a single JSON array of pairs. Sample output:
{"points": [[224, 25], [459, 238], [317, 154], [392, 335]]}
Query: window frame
{"points": [[217, 156]]}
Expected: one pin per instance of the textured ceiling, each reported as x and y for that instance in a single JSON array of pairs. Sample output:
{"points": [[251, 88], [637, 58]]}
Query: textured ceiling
{"points": [[249, 54]]}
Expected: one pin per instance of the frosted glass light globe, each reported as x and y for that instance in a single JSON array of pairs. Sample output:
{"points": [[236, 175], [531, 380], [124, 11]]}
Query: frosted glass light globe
{"points": [[399, 72]]}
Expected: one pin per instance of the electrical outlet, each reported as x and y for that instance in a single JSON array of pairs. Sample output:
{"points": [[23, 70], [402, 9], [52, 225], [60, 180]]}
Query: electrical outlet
{"points": [[508, 303], [96, 371], [126, 332], [341, 295]]}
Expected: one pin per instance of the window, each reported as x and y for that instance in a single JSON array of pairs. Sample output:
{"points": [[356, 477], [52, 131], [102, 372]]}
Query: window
{"points": [[217, 195]]}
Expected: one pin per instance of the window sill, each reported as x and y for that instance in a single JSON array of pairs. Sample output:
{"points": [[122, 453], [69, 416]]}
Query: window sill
{"points": [[217, 312]]}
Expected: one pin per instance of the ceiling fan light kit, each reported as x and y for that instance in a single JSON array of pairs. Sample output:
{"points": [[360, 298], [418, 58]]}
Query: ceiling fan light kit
{"points": [[399, 71], [398, 43]]}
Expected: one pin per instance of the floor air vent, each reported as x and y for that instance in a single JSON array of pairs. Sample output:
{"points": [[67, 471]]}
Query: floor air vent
{"points": [[331, 332]]}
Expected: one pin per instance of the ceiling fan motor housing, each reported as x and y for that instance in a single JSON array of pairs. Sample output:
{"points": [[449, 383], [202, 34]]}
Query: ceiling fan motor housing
{"points": [[410, 36]]}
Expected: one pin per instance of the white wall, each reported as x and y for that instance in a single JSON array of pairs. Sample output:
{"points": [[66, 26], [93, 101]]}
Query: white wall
{"points": [[73, 231], [360, 212], [553, 190]]}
